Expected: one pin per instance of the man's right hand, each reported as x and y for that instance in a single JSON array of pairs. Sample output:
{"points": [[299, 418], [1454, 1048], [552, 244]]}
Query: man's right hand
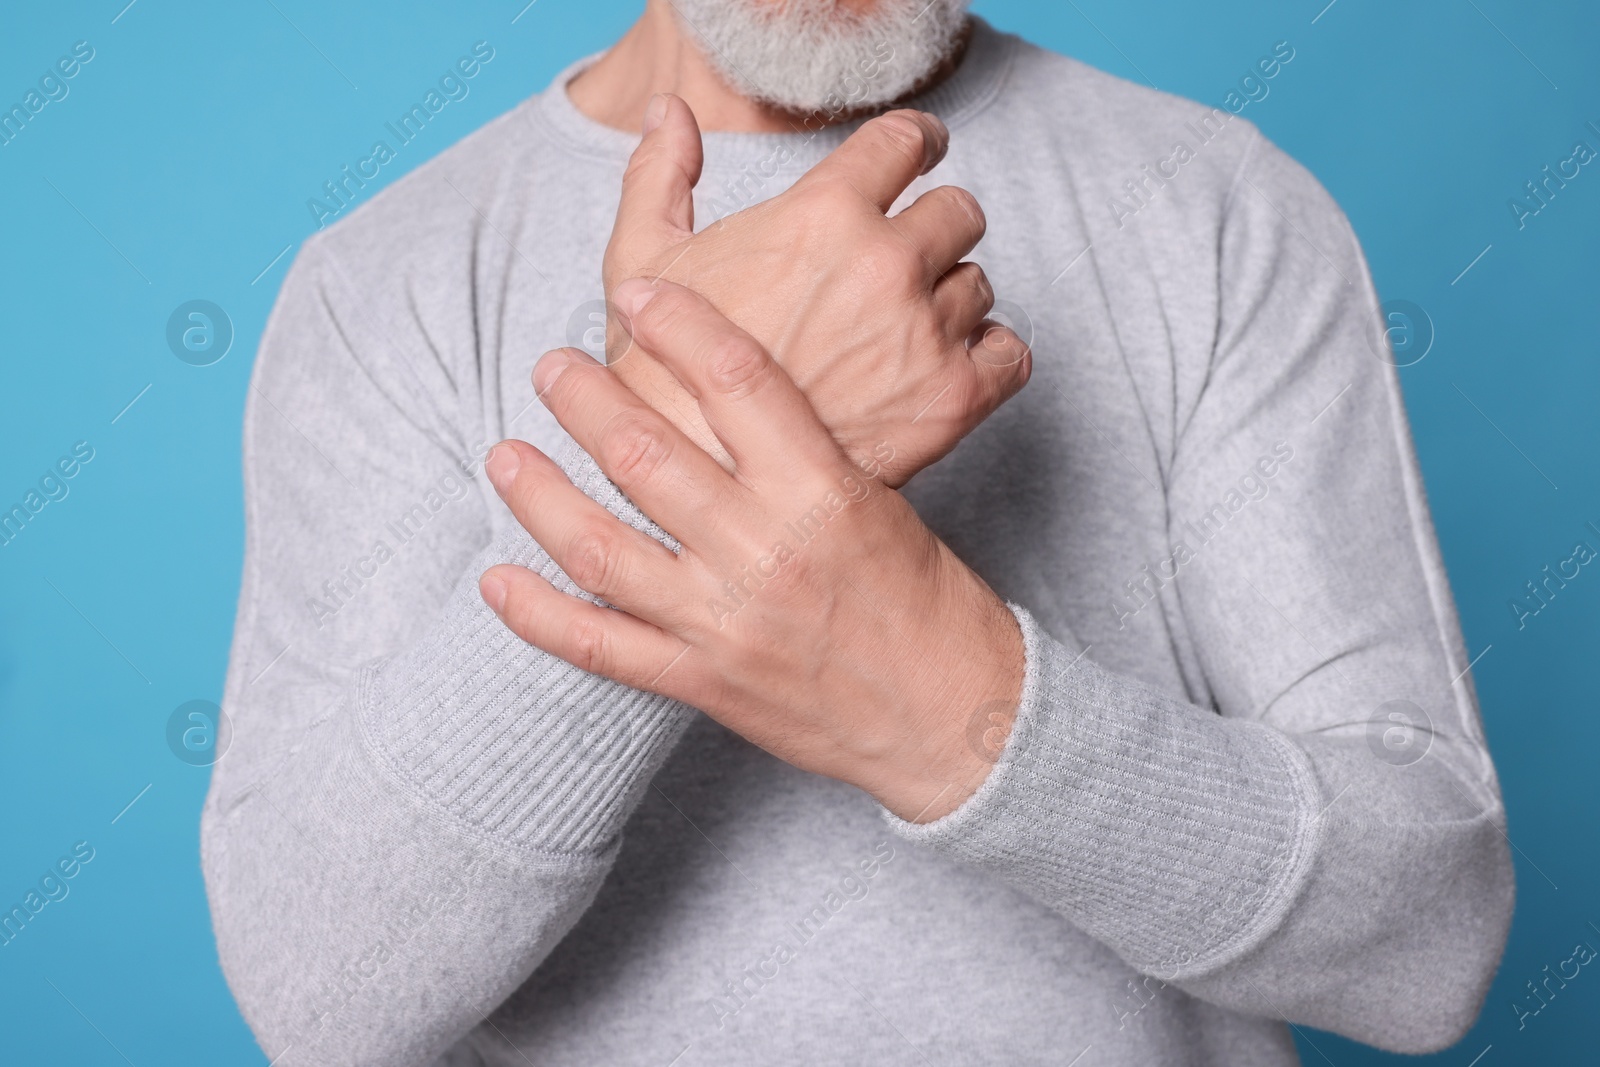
{"points": [[876, 318]]}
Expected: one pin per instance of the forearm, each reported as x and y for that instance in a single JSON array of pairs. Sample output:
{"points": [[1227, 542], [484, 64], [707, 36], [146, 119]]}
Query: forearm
{"points": [[451, 815], [510, 739], [358, 923], [1272, 873]]}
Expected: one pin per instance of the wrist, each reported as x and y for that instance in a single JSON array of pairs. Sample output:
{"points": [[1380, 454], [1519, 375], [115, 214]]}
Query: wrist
{"points": [[963, 722]]}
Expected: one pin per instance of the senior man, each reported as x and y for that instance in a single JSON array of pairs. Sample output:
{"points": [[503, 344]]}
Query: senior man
{"points": [[796, 689]]}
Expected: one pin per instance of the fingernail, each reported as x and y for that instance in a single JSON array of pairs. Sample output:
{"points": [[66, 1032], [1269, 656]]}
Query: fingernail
{"points": [[502, 465], [547, 370], [654, 112], [937, 142], [630, 298], [494, 592], [639, 297]]}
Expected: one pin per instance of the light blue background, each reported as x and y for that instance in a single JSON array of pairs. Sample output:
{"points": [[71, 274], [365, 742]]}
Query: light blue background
{"points": [[179, 167]]}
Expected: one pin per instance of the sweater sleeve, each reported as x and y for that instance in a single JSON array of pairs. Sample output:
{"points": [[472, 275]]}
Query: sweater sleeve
{"points": [[415, 806], [1326, 843]]}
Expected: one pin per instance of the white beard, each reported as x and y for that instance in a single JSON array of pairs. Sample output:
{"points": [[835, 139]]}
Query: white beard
{"points": [[814, 56]]}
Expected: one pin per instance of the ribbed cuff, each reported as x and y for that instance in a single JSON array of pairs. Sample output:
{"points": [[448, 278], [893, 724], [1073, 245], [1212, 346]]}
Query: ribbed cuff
{"points": [[514, 741], [1173, 835]]}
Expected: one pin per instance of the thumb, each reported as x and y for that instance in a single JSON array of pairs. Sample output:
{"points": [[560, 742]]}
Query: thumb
{"points": [[657, 206]]}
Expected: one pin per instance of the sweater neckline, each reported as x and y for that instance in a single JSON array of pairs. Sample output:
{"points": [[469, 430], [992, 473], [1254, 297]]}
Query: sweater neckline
{"points": [[957, 100]]}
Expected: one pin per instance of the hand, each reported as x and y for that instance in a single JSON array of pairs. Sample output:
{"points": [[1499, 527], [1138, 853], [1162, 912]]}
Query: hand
{"points": [[871, 316], [809, 609]]}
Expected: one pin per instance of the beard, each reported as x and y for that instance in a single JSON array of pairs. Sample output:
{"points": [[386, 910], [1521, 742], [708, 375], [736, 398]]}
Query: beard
{"points": [[812, 56]]}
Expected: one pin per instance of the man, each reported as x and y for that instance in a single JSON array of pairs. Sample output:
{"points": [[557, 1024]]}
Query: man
{"points": [[820, 797]]}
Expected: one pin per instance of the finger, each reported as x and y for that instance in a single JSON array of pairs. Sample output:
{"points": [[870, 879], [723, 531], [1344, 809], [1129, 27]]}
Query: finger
{"points": [[944, 224], [999, 364], [972, 391], [657, 205], [962, 298], [755, 409], [603, 555], [595, 639], [883, 157], [670, 478]]}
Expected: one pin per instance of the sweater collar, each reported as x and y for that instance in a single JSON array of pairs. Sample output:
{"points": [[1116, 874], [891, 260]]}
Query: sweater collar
{"points": [[956, 100]]}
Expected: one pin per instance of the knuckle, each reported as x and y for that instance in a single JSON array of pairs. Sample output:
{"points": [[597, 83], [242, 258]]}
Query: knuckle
{"points": [[645, 161], [635, 447], [978, 285], [823, 210], [815, 196], [985, 291], [735, 366], [592, 561], [889, 261], [968, 204], [586, 644], [638, 167], [821, 202], [901, 133]]}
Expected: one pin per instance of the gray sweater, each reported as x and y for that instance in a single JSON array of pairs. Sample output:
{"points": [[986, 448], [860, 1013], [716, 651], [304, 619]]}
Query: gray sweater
{"points": [[1247, 782]]}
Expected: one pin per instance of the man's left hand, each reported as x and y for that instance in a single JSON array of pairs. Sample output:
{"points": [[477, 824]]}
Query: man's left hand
{"points": [[809, 609]]}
